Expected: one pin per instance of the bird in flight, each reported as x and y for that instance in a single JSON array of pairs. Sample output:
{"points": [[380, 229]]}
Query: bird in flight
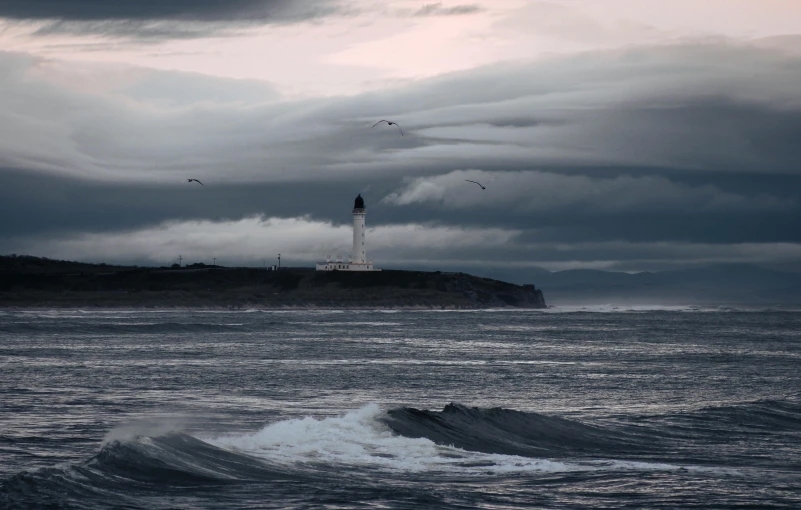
{"points": [[389, 123], [474, 182], [197, 181]]}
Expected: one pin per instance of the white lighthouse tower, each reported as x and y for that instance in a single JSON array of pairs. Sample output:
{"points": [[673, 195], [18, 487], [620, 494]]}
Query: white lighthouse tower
{"points": [[358, 253]]}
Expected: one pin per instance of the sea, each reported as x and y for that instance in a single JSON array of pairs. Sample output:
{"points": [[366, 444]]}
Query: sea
{"points": [[567, 407]]}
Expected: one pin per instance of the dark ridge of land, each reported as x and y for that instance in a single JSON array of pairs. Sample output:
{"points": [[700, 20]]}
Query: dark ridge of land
{"points": [[38, 282]]}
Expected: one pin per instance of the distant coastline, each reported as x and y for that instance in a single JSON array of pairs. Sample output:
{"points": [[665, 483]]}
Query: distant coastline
{"points": [[34, 282]]}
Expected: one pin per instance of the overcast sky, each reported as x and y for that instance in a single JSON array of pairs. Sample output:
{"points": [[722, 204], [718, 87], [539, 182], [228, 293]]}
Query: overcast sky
{"points": [[633, 135]]}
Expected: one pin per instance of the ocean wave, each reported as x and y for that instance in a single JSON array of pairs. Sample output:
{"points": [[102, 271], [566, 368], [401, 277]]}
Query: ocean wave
{"points": [[457, 441], [610, 308], [639, 309], [123, 327], [124, 473], [505, 431], [768, 415], [143, 461]]}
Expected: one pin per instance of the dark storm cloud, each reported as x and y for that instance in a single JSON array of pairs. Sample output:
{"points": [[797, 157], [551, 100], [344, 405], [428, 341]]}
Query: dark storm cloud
{"points": [[436, 9], [653, 156], [50, 205], [277, 11], [158, 20], [139, 30]]}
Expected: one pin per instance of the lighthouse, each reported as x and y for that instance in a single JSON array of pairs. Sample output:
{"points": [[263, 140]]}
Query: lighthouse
{"points": [[358, 253]]}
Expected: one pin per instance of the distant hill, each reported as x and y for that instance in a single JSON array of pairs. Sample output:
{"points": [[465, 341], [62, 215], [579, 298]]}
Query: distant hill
{"points": [[714, 284], [38, 282]]}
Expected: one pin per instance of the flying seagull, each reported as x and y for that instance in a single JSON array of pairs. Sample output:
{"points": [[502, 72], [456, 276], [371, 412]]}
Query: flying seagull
{"points": [[474, 182], [197, 181], [389, 123]]}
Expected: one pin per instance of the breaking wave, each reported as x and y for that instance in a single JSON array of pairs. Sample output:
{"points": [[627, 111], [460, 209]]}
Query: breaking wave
{"points": [[456, 443]]}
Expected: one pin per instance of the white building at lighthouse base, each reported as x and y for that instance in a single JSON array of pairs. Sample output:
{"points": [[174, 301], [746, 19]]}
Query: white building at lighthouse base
{"points": [[339, 265], [358, 258]]}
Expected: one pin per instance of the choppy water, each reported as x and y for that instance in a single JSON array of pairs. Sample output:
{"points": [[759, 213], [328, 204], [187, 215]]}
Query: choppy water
{"points": [[490, 409]]}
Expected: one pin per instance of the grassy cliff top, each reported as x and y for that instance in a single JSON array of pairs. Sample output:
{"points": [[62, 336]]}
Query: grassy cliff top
{"points": [[35, 282]]}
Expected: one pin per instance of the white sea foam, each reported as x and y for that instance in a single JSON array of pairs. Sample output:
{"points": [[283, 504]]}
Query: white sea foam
{"points": [[146, 427], [350, 323], [358, 440], [611, 308]]}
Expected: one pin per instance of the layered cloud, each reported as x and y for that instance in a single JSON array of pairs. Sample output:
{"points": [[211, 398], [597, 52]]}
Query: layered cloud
{"points": [[684, 107], [188, 10], [437, 9], [162, 20], [540, 191], [689, 145], [255, 238], [302, 241]]}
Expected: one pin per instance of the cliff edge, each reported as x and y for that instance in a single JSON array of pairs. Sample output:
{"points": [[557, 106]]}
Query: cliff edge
{"points": [[68, 284]]}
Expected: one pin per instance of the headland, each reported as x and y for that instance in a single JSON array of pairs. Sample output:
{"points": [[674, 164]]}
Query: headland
{"points": [[34, 282]]}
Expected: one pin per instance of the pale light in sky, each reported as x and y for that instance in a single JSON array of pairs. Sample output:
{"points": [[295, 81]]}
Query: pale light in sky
{"points": [[382, 44]]}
